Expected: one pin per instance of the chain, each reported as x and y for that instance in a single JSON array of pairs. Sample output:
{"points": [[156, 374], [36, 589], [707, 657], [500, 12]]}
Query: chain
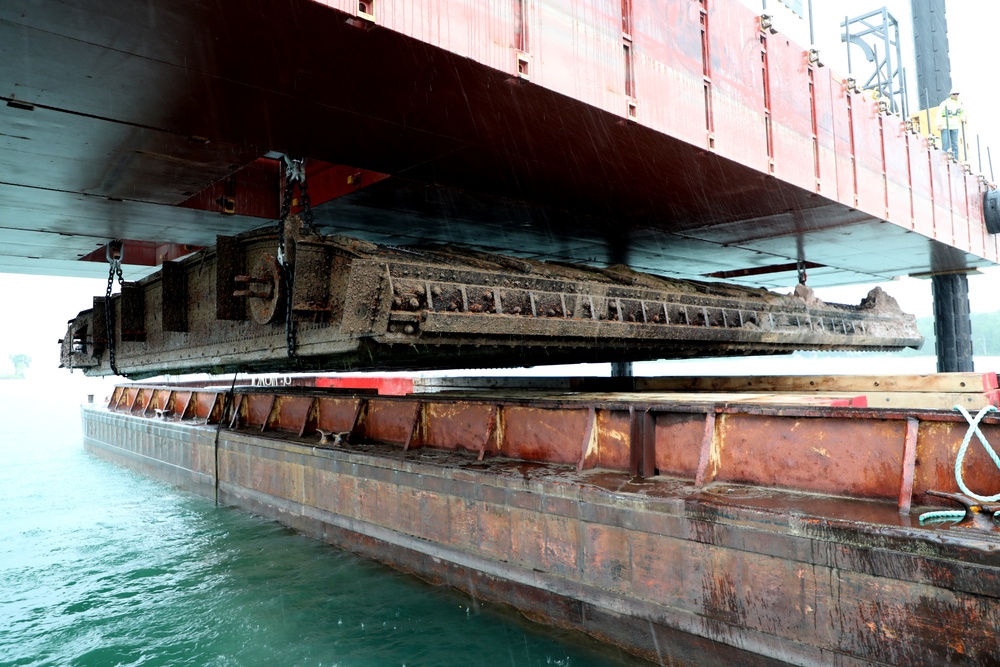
{"points": [[800, 263], [286, 207], [290, 342], [295, 172], [115, 252]]}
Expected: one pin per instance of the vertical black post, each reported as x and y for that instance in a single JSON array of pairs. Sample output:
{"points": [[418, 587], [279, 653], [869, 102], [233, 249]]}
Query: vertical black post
{"points": [[930, 37], [812, 31], [905, 104], [618, 253], [952, 324], [621, 369], [847, 43]]}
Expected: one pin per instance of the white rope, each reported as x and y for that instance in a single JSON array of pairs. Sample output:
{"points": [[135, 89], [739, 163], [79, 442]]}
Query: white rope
{"points": [[943, 515], [974, 428], [959, 459]]}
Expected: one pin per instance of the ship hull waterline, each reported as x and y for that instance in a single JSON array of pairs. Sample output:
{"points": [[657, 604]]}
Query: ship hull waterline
{"points": [[662, 578]]}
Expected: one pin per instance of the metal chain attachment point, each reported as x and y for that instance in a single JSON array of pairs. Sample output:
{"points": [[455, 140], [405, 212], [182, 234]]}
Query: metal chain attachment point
{"points": [[115, 253], [295, 172]]}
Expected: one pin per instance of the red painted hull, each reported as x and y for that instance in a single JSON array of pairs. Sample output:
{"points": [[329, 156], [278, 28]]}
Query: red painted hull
{"points": [[693, 144]]}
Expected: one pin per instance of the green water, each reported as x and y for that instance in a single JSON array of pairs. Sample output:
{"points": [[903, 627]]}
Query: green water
{"points": [[102, 567]]}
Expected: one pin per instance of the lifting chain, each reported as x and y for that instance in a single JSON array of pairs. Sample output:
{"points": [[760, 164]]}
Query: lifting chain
{"points": [[115, 252], [800, 262], [295, 172]]}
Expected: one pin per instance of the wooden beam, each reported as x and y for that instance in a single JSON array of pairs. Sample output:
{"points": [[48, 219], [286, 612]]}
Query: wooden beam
{"points": [[936, 383]]}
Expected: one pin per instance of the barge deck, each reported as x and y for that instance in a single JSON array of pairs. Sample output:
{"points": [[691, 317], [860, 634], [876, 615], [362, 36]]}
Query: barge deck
{"points": [[689, 527]]}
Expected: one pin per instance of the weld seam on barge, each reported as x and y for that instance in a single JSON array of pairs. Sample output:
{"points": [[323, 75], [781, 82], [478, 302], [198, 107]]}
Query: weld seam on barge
{"points": [[598, 551]]}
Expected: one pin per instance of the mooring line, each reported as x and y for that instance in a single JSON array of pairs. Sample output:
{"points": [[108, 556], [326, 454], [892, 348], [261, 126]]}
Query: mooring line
{"points": [[218, 429], [959, 460]]}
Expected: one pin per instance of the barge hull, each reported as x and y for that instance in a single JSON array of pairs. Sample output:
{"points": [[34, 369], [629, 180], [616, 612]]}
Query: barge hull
{"points": [[176, 455], [678, 580]]}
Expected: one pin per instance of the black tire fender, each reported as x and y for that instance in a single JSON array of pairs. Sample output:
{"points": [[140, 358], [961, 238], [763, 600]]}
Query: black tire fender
{"points": [[991, 211]]}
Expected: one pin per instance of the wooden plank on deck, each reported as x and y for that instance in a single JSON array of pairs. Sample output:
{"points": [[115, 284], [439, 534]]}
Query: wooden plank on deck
{"points": [[935, 383]]}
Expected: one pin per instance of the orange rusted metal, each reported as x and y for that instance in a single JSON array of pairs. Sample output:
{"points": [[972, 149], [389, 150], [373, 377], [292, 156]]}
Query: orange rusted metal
{"points": [[909, 463], [391, 420], [737, 522], [543, 434], [612, 441], [463, 425], [338, 414], [880, 454], [290, 412], [817, 454]]}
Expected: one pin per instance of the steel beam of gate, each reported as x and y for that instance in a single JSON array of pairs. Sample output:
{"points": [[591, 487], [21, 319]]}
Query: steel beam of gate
{"points": [[358, 305]]}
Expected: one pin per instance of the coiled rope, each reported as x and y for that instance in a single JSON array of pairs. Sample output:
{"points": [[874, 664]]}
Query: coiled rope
{"points": [[943, 515]]}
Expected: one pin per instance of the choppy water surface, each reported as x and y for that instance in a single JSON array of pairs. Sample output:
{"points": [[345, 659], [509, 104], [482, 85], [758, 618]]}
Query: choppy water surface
{"points": [[102, 567]]}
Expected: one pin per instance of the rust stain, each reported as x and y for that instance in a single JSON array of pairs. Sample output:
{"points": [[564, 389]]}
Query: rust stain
{"points": [[816, 452], [336, 414]]}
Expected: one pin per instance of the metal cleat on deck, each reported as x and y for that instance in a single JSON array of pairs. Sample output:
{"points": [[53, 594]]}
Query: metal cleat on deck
{"points": [[977, 515]]}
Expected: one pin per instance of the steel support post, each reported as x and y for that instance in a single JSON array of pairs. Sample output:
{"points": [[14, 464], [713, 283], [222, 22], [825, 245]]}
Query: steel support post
{"points": [[621, 369], [952, 324]]}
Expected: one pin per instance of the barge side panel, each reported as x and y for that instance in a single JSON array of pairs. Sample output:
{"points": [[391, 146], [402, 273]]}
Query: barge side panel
{"points": [[611, 578]]}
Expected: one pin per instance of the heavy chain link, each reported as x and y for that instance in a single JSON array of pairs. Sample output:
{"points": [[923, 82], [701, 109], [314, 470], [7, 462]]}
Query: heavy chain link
{"points": [[295, 173], [115, 253]]}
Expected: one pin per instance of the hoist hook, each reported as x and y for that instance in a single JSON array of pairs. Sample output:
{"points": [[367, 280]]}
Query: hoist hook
{"points": [[295, 170], [115, 251]]}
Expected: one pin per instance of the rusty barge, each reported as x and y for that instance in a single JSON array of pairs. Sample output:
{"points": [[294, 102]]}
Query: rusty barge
{"points": [[688, 522], [510, 183]]}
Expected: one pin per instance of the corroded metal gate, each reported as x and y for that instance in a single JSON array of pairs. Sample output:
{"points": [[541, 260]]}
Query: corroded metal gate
{"points": [[362, 306]]}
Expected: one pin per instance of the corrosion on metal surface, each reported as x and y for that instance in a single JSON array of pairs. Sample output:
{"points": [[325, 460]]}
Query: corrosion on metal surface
{"points": [[804, 577], [801, 447], [978, 515], [363, 306]]}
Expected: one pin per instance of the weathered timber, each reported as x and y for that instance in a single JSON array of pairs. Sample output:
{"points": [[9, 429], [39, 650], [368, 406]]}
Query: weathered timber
{"points": [[938, 383], [358, 305], [942, 391]]}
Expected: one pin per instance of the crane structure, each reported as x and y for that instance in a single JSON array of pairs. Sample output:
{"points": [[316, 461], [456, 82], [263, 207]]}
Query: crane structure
{"points": [[327, 185], [685, 139]]}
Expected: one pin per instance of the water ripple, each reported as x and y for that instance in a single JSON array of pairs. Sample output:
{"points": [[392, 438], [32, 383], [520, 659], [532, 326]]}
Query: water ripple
{"points": [[102, 567]]}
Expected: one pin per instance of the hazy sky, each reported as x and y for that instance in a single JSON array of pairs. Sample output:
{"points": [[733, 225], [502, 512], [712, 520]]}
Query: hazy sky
{"points": [[36, 308], [973, 61]]}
